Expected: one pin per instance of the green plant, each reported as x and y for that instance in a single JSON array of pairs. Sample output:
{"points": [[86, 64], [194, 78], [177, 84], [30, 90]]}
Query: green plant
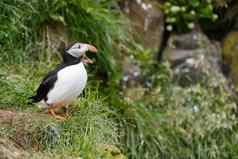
{"points": [[173, 122], [87, 21], [88, 128], [169, 121], [182, 15], [93, 22]]}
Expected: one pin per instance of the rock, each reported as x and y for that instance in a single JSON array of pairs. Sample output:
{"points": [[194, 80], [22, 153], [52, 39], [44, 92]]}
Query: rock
{"points": [[9, 150], [221, 3], [29, 129], [147, 21], [53, 35], [148, 26], [187, 41], [230, 56], [131, 73], [132, 81], [194, 59]]}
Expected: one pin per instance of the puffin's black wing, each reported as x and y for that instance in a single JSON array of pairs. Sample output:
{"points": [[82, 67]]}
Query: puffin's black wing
{"points": [[46, 85], [49, 80]]}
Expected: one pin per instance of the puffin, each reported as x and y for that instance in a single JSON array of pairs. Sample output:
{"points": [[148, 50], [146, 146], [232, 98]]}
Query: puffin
{"points": [[65, 83]]}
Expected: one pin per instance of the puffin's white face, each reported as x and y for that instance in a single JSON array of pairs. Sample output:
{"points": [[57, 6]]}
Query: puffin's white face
{"points": [[79, 49]]}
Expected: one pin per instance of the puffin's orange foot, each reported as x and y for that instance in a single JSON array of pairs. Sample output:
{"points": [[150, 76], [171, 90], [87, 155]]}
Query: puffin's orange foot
{"points": [[58, 117]]}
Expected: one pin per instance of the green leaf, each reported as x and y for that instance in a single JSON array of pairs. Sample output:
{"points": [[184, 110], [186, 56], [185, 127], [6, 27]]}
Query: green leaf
{"points": [[195, 3], [205, 12], [58, 18]]}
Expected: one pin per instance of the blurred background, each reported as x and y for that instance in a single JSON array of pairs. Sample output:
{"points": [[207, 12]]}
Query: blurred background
{"points": [[163, 85]]}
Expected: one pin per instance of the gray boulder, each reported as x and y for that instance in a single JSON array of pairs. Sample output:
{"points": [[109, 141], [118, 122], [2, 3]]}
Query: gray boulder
{"points": [[147, 20], [194, 59]]}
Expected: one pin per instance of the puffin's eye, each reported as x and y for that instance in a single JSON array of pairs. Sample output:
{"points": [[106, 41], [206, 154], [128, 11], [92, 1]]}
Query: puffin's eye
{"points": [[79, 46]]}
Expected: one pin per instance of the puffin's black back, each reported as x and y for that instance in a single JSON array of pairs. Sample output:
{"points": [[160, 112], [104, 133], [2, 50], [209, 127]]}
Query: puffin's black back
{"points": [[49, 80]]}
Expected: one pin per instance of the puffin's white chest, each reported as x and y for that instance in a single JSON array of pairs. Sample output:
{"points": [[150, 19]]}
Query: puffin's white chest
{"points": [[69, 84]]}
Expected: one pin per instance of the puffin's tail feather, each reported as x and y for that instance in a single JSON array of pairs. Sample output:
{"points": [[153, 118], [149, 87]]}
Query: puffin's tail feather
{"points": [[33, 99]]}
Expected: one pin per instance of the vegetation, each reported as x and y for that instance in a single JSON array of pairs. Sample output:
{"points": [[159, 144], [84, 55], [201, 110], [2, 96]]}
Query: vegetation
{"points": [[182, 15], [88, 129], [22, 23], [164, 121]]}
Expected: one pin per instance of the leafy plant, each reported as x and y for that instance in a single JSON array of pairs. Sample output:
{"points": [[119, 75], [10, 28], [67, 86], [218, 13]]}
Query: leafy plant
{"points": [[182, 15]]}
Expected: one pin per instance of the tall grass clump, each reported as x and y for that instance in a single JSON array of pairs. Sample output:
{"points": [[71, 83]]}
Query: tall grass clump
{"points": [[96, 22], [19, 81], [90, 128]]}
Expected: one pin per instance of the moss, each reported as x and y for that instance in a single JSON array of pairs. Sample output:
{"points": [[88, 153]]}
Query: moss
{"points": [[230, 46], [230, 56], [111, 152]]}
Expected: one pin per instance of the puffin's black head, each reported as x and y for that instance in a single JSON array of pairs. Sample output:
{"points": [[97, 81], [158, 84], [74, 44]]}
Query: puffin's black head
{"points": [[78, 50]]}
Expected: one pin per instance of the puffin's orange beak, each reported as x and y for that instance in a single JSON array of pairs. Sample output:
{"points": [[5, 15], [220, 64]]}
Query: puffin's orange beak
{"points": [[87, 60], [92, 48]]}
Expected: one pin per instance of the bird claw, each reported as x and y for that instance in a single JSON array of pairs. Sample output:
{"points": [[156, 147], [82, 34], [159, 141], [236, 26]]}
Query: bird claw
{"points": [[58, 117]]}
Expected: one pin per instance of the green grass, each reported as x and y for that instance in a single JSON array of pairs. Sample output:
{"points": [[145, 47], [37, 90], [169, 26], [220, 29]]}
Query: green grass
{"points": [[18, 82], [85, 133], [169, 121], [164, 121], [183, 123], [85, 21]]}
